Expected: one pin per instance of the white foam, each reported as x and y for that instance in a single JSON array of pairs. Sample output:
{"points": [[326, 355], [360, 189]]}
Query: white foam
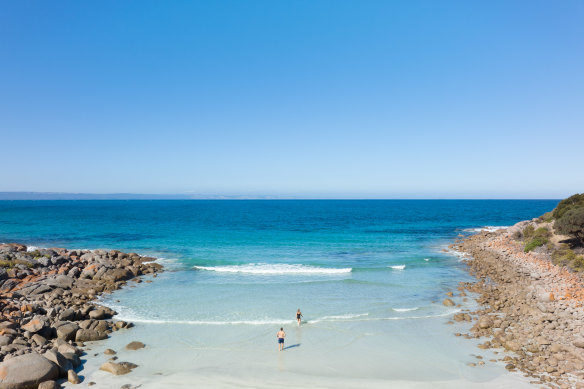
{"points": [[31, 248], [486, 228], [405, 309], [208, 322], [398, 267], [346, 317], [264, 268], [337, 318], [426, 259]]}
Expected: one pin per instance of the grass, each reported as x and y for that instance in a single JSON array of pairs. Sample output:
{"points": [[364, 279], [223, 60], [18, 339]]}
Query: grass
{"points": [[11, 264]]}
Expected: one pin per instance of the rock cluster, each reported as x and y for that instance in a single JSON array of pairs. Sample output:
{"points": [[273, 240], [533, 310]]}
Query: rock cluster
{"points": [[541, 335], [47, 310]]}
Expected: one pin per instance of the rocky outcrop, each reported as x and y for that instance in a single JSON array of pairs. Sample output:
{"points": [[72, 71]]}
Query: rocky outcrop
{"points": [[530, 308], [47, 306], [26, 371]]}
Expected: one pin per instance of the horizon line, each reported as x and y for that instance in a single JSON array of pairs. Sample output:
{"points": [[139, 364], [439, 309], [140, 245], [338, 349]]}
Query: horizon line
{"points": [[32, 196]]}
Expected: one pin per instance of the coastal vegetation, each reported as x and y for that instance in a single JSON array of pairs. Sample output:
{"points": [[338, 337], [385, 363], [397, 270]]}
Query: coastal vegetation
{"points": [[558, 234], [531, 287]]}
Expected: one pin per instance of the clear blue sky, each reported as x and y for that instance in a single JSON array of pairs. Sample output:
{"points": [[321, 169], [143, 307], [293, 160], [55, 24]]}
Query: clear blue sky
{"points": [[458, 99]]}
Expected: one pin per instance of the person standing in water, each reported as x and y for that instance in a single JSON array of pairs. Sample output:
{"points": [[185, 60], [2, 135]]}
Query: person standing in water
{"points": [[298, 316], [281, 335]]}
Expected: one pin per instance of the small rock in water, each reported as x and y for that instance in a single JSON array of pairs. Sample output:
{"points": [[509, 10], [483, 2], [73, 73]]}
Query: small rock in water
{"points": [[448, 302], [109, 351], [135, 345]]}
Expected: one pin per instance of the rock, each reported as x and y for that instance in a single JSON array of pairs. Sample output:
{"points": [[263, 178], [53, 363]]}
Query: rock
{"points": [[73, 378], [73, 358], [39, 340], [485, 322], [579, 343], [458, 317], [512, 345], [67, 348], [26, 371], [115, 368], [35, 325], [48, 385], [58, 359], [5, 340], [135, 346], [118, 275], [97, 314], [60, 281], [555, 348], [109, 351], [448, 303], [67, 315], [532, 348], [542, 341], [67, 331], [89, 336]]}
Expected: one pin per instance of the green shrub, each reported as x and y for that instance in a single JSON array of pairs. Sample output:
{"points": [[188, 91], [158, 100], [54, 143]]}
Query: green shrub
{"points": [[572, 223], [534, 243], [572, 202], [547, 217], [542, 233], [563, 256], [578, 263], [528, 231]]}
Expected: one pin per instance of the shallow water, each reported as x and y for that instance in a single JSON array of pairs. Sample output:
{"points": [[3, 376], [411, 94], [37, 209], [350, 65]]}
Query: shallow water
{"points": [[368, 276]]}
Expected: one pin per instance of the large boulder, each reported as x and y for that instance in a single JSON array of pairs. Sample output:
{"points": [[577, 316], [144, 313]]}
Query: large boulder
{"points": [[67, 331], [118, 275], [83, 335], [63, 363], [5, 340], [36, 324], [26, 371], [60, 281]]}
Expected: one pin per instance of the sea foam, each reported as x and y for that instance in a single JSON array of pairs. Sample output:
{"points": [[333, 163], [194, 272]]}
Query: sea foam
{"points": [[398, 267], [486, 228], [264, 268], [405, 309]]}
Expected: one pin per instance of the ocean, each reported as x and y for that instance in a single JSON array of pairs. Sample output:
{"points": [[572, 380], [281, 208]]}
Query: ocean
{"points": [[369, 277]]}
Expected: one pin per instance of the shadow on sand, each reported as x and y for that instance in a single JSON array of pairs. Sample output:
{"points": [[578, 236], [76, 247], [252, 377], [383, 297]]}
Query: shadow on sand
{"points": [[292, 346]]}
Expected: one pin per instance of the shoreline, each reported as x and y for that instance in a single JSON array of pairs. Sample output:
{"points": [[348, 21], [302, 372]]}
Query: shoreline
{"points": [[530, 309], [49, 301]]}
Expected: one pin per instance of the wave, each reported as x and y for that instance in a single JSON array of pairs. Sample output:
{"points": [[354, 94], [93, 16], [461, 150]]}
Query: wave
{"points": [[405, 309], [426, 259], [486, 228], [398, 267], [264, 268], [337, 318]]}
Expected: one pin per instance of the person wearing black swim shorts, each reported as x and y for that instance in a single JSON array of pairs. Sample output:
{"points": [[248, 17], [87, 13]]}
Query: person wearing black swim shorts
{"points": [[281, 335], [298, 316]]}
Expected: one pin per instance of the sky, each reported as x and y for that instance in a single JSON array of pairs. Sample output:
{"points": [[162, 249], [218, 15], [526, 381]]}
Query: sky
{"points": [[309, 99]]}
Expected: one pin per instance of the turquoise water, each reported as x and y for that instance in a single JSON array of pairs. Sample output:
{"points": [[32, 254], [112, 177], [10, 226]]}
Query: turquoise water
{"points": [[370, 272]]}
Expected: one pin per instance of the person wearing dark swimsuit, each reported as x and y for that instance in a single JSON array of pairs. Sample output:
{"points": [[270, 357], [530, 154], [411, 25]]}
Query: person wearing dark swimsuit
{"points": [[298, 316], [281, 335]]}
